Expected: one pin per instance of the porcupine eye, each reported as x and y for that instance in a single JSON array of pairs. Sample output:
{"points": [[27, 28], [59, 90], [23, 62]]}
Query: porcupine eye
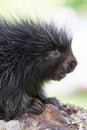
{"points": [[53, 54]]}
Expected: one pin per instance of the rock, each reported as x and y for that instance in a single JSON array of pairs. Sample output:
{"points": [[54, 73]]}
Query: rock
{"points": [[77, 116], [67, 117], [14, 125]]}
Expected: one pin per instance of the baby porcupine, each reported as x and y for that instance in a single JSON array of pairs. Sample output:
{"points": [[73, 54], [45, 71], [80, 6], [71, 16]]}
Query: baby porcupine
{"points": [[30, 54]]}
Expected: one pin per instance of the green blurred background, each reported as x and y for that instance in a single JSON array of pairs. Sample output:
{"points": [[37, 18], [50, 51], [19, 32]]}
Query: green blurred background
{"points": [[30, 8]]}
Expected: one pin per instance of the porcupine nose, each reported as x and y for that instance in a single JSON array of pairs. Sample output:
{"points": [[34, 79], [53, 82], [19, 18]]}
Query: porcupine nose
{"points": [[70, 64]]}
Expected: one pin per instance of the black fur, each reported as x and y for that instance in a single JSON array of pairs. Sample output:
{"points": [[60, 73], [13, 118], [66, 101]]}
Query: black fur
{"points": [[30, 54]]}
